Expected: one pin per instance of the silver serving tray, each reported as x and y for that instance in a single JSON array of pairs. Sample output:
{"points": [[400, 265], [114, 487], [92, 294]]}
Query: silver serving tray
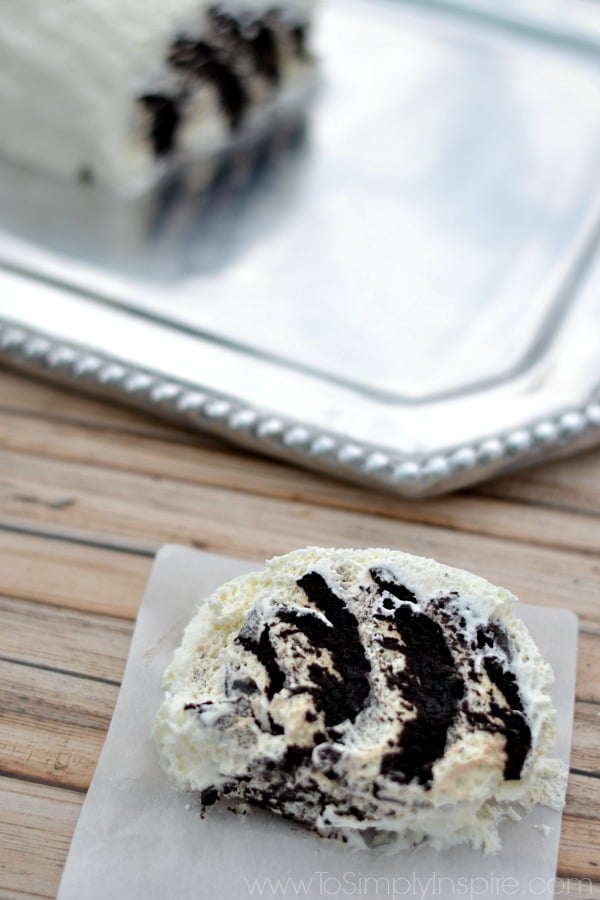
{"points": [[403, 292]]}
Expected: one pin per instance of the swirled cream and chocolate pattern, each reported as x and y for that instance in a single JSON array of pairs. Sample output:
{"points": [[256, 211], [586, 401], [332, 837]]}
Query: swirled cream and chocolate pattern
{"points": [[366, 693]]}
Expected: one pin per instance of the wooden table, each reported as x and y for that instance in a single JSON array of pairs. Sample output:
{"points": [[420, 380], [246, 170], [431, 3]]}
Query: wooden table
{"points": [[89, 491]]}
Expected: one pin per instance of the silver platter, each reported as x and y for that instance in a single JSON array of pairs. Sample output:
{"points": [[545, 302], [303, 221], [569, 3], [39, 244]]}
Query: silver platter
{"points": [[403, 291]]}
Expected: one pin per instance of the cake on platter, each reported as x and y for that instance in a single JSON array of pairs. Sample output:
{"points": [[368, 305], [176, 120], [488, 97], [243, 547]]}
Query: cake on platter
{"points": [[121, 93]]}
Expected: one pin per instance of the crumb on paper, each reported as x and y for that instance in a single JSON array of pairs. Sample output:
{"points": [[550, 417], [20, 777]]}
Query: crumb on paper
{"points": [[546, 830]]}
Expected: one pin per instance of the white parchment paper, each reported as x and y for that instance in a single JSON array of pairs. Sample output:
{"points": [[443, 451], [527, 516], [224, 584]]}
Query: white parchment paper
{"points": [[139, 838]]}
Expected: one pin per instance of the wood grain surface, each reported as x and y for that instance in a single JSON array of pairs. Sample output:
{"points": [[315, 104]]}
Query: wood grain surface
{"points": [[90, 491]]}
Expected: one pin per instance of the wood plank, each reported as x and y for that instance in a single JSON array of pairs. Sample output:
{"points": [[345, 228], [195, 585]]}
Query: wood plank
{"points": [[87, 501], [571, 483], [33, 399], [219, 466], [580, 840], [67, 574], [73, 642], [585, 754], [35, 832], [588, 668], [52, 726], [583, 797], [576, 889]]}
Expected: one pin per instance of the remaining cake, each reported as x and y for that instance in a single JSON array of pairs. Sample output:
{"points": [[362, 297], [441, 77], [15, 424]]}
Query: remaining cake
{"points": [[122, 91], [363, 692]]}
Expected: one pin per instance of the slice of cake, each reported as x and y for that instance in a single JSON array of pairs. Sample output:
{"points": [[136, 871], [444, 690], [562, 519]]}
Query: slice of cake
{"points": [[122, 92], [364, 693]]}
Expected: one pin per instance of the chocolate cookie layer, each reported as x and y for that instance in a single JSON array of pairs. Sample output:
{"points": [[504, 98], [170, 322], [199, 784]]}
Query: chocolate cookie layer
{"points": [[239, 54]]}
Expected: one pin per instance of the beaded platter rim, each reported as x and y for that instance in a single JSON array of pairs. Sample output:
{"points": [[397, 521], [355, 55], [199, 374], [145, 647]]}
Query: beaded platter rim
{"points": [[416, 475]]}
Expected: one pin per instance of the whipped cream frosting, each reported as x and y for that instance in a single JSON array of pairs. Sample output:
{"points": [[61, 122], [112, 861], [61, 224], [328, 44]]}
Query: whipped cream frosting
{"points": [[370, 694]]}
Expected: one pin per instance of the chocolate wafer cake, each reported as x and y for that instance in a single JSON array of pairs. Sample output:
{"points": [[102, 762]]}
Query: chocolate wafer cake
{"points": [[121, 92], [368, 694]]}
